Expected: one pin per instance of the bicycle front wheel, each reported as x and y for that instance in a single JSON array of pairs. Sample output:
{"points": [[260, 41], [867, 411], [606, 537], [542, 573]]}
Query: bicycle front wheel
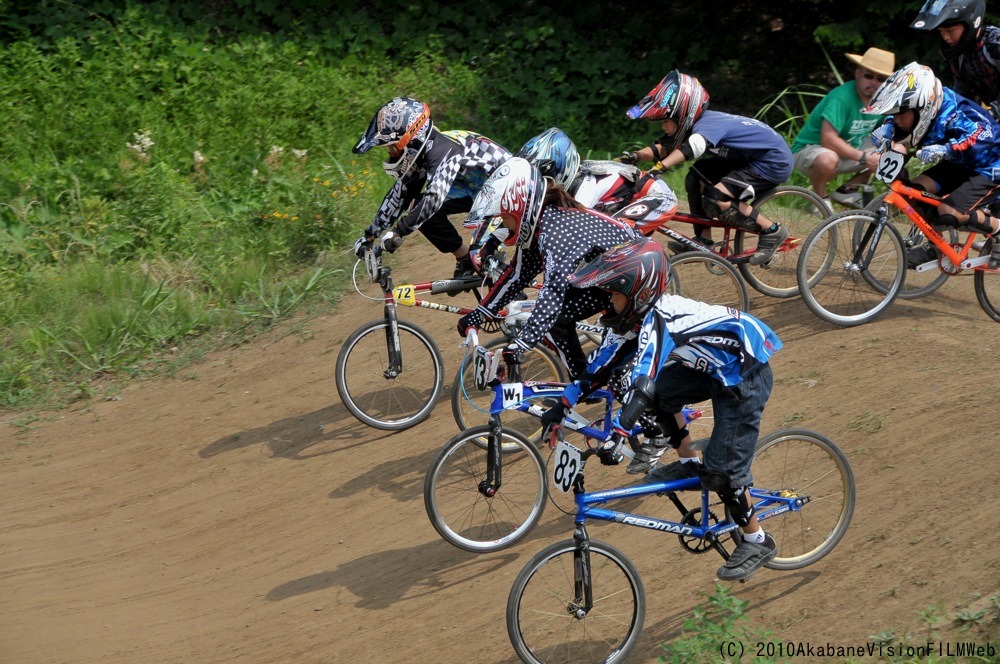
{"points": [[838, 265], [545, 618], [799, 462], [987, 283], [700, 275], [917, 284], [462, 514], [469, 406], [379, 397], [797, 209]]}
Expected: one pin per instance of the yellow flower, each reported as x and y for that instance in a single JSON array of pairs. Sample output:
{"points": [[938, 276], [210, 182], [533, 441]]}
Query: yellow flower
{"points": [[326, 183]]}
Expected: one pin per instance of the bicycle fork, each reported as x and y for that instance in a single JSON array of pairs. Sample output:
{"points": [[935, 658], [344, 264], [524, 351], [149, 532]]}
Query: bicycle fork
{"points": [[865, 250], [394, 351], [583, 590], [494, 463]]}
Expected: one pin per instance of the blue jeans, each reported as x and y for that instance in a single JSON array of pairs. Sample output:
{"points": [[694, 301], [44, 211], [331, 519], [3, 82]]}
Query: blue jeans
{"points": [[737, 412]]}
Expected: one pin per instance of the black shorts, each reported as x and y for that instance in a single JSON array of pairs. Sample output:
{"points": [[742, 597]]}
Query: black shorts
{"points": [[439, 231], [712, 170], [962, 192]]}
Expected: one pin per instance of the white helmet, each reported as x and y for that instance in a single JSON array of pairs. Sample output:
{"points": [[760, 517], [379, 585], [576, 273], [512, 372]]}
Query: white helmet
{"points": [[554, 154], [912, 87], [516, 188]]}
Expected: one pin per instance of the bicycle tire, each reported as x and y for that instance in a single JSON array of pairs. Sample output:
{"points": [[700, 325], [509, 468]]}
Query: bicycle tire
{"points": [[541, 625], [793, 207], [700, 275], [917, 284], [390, 404], [800, 461], [987, 284], [470, 406], [471, 521], [833, 286]]}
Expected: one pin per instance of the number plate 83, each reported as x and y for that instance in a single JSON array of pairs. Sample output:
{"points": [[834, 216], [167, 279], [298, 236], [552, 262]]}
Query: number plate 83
{"points": [[566, 465]]}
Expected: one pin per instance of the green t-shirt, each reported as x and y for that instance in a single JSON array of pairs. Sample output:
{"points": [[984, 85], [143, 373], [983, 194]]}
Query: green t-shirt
{"points": [[841, 107]]}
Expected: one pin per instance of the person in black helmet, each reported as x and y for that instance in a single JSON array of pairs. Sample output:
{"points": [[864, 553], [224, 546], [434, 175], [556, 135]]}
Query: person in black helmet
{"points": [[971, 49]]}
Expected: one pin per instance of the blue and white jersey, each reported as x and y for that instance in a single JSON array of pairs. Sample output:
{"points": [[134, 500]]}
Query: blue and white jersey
{"points": [[454, 164], [723, 342], [971, 134]]}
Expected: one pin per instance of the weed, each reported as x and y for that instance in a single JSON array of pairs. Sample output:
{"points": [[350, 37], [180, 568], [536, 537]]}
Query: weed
{"points": [[869, 422]]}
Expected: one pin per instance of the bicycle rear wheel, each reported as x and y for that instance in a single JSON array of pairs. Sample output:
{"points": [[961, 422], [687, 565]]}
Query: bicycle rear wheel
{"points": [[700, 275], [459, 511], [799, 462], [987, 283], [838, 265], [391, 403], [797, 209], [470, 407], [917, 284], [545, 620]]}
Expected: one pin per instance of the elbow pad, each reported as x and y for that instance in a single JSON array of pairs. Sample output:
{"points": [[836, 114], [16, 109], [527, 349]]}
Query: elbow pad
{"points": [[694, 146], [639, 396]]}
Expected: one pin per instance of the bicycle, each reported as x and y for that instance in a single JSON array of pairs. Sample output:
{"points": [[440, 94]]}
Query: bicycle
{"points": [[390, 372], [582, 600], [486, 488], [853, 266], [797, 208], [700, 276]]}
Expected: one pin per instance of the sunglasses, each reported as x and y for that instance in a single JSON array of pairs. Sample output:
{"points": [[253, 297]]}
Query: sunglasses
{"points": [[874, 77]]}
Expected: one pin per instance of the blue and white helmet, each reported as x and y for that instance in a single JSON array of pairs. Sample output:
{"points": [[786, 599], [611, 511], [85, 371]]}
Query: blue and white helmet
{"points": [[554, 155]]}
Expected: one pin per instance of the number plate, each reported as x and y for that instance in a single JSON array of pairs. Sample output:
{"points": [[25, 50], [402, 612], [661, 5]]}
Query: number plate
{"points": [[484, 367], [566, 465], [404, 294], [889, 166]]}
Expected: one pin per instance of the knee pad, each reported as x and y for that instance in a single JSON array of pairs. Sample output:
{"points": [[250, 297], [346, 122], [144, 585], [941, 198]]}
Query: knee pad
{"points": [[710, 199], [639, 396], [674, 433], [738, 503], [947, 221], [979, 221]]}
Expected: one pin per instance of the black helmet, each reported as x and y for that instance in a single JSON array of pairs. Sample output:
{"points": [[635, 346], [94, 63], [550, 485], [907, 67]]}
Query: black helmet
{"points": [[638, 269], [944, 13]]}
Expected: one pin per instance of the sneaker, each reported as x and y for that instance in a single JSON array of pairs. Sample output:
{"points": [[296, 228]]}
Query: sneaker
{"points": [[848, 196], [675, 470], [463, 268], [995, 253], [647, 456], [919, 255], [679, 248], [768, 244], [747, 559]]}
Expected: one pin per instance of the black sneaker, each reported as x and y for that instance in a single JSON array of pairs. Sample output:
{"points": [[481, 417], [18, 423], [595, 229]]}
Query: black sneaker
{"points": [[463, 268], [767, 244], [647, 456], [675, 470], [919, 255], [747, 559]]}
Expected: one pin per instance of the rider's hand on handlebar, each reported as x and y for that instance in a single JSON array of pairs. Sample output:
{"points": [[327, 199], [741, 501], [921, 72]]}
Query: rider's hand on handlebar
{"points": [[626, 158], [361, 246], [882, 136], [553, 417], [468, 321], [390, 241], [932, 154]]}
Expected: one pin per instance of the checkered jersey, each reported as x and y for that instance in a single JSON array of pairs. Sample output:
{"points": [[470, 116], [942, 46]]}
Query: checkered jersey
{"points": [[454, 164]]}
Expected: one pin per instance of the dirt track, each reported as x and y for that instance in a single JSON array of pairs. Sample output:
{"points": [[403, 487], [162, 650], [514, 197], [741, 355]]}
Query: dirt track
{"points": [[238, 513]]}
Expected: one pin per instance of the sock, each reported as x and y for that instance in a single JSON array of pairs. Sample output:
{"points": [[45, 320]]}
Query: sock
{"points": [[689, 460], [772, 229], [754, 538]]}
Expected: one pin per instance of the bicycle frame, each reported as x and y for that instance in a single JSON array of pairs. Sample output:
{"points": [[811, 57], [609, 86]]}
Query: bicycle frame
{"points": [[900, 197]]}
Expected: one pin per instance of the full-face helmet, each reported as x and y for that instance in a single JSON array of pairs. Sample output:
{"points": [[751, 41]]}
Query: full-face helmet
{"points": [[638, 269], [404, 126], [912, 87], [516, 188], [678, 97], [945, 13], [554, 155]]}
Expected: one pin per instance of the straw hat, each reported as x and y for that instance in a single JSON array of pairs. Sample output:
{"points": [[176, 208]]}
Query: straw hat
{"points": [[876, 60]]}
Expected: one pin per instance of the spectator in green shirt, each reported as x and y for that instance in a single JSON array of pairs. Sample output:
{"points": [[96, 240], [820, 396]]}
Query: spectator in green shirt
{"points": [[835, 138]]}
